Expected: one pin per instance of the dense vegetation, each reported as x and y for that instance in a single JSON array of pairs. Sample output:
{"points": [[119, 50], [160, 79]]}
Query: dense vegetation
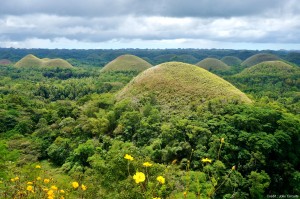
{"points": [[65, 132]]}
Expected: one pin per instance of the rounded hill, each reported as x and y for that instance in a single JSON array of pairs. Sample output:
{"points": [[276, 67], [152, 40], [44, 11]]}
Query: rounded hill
{"points": [[258, 58], [127, 63], [33, 61], [231, 60], [29, 61], [176, 85], [57, 63], [5, 62], [213, 64], [269, 68]]}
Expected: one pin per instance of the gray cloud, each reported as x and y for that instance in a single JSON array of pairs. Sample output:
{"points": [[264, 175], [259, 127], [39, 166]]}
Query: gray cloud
{"points": [[94, 21], [173, 8]]}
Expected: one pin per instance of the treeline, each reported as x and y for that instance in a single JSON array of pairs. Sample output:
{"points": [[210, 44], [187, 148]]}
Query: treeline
{"points": [[100, 57]]}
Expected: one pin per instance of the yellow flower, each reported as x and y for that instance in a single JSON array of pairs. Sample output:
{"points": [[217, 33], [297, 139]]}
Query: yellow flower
{"points": [[29, 188], [205, 160], [161, 179], [50, 193], [38, 178], [222, 140], [83, 187], [53, 187], [50, 197], [75, 185], [139, 177], [29, 183], [12, 179], [233, 168], [17, 178], [147, 164], [62, 191], [46, 180], [128, 157], [156, 198], [38, 167]]}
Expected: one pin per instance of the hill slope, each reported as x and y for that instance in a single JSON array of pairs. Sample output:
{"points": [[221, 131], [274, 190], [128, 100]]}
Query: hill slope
{"points": [[56, 63], [29, 61], [127, 63], [212, 64], [273, 79], [176, 85], [33, 61], [231, 60], [269, 68], [258, 58]]}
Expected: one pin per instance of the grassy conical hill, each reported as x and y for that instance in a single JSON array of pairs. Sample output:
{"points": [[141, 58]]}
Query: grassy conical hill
{"points": [[213, 64], [231, 60], [276, 80], [57, 63], [33, 61], [176, 85], [29, 61], [269, 68], [258, 58], [127, 63], [5, 62]]}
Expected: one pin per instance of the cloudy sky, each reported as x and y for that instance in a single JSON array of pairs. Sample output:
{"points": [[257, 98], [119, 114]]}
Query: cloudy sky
{"points": [[84, 24]]}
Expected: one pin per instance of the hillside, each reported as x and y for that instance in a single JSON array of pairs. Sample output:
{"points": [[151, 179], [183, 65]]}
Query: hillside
{"points": [[276, 80], [231, 60], [176, 85], [127, 63], [33, 61], [212, 64], [258, 58], [57, 63], [29, 61], [269, 68]]}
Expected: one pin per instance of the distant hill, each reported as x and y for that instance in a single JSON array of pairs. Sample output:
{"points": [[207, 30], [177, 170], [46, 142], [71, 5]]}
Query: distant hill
{"points": [[5, 62], [273, 79], [172, 57], [269, 68], [231, 60], [176, 85], [33, 61], [127, 63], [258, 58], [213, 64], [29, 61], [57, 63]]}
